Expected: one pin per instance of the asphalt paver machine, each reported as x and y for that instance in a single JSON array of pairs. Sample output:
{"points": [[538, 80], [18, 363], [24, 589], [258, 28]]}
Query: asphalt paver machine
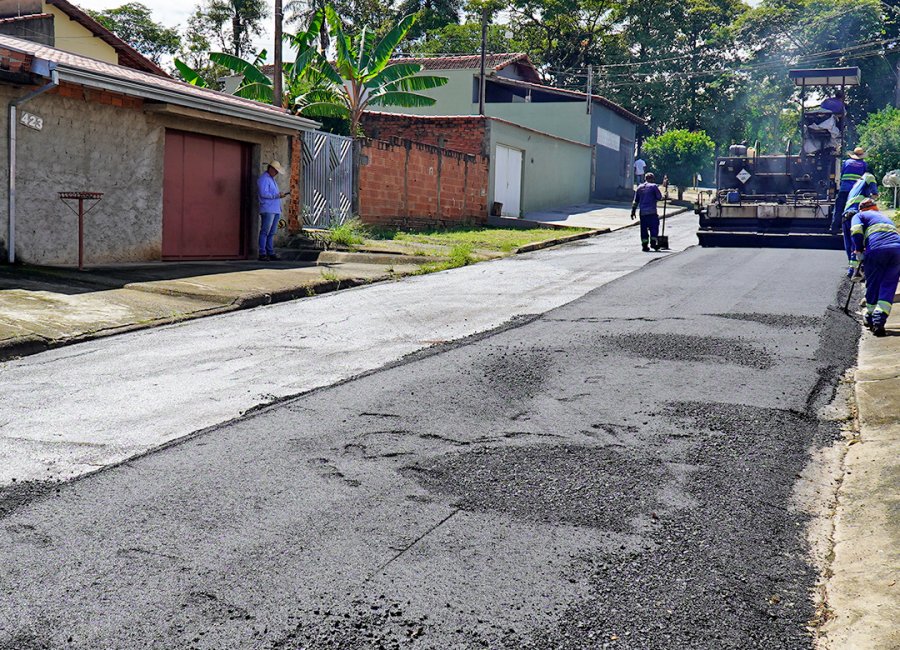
{"points": [[782, 200]]}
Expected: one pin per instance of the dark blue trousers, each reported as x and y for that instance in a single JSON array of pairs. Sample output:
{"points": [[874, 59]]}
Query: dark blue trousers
{"points": [[882, 274], [649, 229], [840, 202]]}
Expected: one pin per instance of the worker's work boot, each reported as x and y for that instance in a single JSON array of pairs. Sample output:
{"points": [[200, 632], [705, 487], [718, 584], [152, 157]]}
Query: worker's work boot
{"points": [[867, 320]]}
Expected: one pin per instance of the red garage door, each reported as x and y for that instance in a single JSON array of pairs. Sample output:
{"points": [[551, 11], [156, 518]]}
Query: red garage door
{"points": [[204, 197]]}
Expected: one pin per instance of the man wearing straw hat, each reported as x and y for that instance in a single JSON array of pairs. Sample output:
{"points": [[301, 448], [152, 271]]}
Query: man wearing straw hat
{"points": [[269, 210], [852, 170]]}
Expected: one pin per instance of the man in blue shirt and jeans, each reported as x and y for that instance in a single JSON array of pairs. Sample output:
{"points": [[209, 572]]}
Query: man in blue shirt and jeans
{"points": [[269, 210]]}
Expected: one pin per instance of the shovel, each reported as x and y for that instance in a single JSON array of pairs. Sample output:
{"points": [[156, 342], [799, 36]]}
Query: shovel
{"points": [[663, 240]]}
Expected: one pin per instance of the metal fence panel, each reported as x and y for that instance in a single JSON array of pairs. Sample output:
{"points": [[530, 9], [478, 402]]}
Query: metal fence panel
{"points": [[327, 179]]}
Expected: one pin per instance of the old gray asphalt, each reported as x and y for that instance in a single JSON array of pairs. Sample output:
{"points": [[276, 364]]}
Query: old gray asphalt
{"points": [[76, 409], [615, 471]]}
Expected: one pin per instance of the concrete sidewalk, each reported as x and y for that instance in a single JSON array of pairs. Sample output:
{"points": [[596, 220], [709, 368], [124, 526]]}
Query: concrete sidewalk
{"points": [[863, 592], [42, 308], [610, 215]]}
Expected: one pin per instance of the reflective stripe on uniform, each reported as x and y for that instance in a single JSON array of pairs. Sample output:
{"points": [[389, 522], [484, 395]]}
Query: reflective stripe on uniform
{"points": [[879, 227], [884, 306], [869, 308], [856, 229], [850, 177]]}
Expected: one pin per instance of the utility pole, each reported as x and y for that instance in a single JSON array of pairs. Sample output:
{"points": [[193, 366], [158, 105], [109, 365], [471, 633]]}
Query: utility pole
{"points": [[278, 77], [897, 87], [590, 87], [484, 22]]}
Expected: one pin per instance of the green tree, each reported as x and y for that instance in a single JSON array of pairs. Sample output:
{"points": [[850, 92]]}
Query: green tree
{"points": [[231, 24], [679, 154], [134, 24], [433, 15], [783, 34], [363, 76], [880, 136], [466, 38]]}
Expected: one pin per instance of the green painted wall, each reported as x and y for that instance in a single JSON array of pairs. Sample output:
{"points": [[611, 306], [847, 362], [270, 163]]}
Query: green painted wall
{"points": [[555, 173], [453, 98], [565, 119]]}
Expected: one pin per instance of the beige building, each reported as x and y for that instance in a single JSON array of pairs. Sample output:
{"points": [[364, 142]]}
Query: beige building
{"points": [[62, 25]]}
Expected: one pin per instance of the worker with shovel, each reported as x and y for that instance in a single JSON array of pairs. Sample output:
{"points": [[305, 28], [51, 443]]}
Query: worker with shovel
{"points": [[877, 243], [645, 199], [865, 188]]}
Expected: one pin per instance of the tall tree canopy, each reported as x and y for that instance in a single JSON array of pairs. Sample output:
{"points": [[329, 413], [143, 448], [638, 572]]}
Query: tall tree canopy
{"points": [[134, 24], [230, 24]]}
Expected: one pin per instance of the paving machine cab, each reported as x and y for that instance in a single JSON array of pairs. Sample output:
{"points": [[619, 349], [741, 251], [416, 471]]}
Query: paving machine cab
{"points": [[782, 200]]}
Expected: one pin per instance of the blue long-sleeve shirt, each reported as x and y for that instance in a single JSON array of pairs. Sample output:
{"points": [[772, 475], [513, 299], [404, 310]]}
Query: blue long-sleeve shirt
{"points": [[863, 188], [269, 194], [851, 171], [874, 230], [645, 198]]}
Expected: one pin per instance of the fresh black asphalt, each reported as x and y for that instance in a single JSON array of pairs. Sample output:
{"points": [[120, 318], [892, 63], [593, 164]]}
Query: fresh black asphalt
{"points": [[615, 473]]}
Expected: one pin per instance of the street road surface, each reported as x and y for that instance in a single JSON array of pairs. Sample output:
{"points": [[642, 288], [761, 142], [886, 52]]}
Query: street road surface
{"points": [[74, 410], [615, 472]]}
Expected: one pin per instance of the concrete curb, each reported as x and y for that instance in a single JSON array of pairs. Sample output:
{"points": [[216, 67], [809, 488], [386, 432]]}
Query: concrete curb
{"points": [[863, 589], [33, 344], [528, 248]]}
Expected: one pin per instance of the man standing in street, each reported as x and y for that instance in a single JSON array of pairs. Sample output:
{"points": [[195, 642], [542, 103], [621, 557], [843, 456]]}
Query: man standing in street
{"points": [[639, 168], [852, 170], [269, 210], [645, 199], [877, 244]]}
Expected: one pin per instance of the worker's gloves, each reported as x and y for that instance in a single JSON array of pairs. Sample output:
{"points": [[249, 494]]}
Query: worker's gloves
{"points": [[632, 215]]}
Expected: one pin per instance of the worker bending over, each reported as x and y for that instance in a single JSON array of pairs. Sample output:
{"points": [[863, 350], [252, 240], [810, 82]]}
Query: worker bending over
{"points": [[865, 188], [645, 198], [852, 170], [876, 243]]}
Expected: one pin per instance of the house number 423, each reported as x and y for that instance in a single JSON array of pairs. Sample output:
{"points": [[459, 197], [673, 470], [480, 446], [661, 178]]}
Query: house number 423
{"points": [[32, 121]]}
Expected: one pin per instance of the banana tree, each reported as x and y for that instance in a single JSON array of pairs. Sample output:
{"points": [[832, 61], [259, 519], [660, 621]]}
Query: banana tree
{"points": [[256, 84], [362, 77]]}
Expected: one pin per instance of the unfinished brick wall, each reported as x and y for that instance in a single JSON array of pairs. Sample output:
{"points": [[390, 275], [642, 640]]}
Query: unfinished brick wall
{"points": [[415, 185], [74, 91], [466, 134], [294, 223]]}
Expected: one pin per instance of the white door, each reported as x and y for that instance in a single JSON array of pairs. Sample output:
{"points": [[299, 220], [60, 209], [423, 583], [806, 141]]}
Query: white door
{"points": [[508, 180]]}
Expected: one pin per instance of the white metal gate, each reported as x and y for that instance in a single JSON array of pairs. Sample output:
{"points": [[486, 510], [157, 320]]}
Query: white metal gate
{"points": [[508, 180], [327, 179]]}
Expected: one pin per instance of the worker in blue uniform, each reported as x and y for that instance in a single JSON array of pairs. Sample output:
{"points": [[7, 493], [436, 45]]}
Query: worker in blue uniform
{"points": [[645, 198], [865, 188], [852, 170], [876, 243]]}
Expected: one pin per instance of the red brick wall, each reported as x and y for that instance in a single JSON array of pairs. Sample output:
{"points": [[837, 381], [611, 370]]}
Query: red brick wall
{"points": [[466, 134], [74, 91], [293, 203], [410, 184]]}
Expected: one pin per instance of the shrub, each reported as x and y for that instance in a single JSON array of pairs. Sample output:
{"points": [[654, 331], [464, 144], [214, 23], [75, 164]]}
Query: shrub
{"points": [[679, 154], [351, 233], [879, 135]]}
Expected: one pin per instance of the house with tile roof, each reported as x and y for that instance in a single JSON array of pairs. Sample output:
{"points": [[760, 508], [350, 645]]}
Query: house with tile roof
{"points": [[176, 164], [65, 26], [515, 95]]}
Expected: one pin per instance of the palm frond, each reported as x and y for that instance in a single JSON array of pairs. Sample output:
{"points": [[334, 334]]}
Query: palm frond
{"points": [[388, 44], [190, 75], [400, 98]]}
